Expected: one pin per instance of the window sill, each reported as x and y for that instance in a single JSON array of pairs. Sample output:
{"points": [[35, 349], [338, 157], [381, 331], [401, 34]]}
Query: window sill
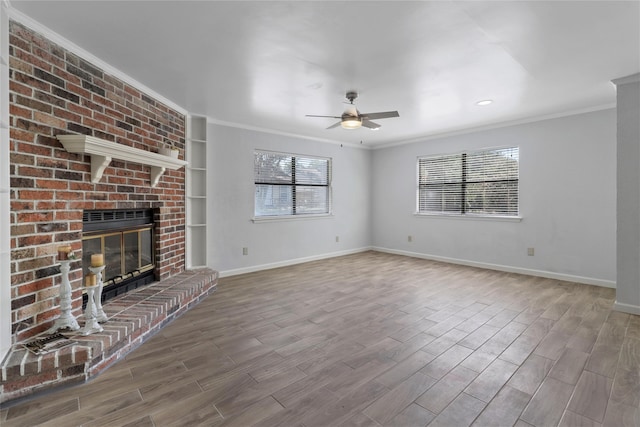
{"points": [[279, 218], [469, 217]]}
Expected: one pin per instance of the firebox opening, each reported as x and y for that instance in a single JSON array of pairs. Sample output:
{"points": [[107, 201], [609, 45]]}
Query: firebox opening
{"points": [[126, 238]]}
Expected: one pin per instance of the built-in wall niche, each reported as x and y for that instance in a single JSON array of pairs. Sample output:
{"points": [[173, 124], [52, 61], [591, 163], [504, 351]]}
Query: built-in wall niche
{"points": [[198, 210], [198, 154], [196, 179]]}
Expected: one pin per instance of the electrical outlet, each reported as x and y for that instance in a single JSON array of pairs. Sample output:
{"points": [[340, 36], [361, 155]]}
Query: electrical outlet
{"points": [[245, 251], [337, 239], [530, 251], [409, 238]]}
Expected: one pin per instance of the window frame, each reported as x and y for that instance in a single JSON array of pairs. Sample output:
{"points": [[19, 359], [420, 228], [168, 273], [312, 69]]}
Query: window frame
{"points": [[462, 213], [294, 215]]}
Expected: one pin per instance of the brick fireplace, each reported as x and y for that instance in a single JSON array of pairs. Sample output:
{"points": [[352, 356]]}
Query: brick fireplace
{"points": [[55, 92]]}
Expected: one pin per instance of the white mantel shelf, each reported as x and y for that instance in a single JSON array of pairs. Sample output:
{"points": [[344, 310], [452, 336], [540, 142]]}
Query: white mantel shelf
{"points": [[103, 151]]}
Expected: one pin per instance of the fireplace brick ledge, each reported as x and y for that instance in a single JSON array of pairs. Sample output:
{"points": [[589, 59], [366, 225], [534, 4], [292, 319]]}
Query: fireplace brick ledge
{"points": [[133, 318]]}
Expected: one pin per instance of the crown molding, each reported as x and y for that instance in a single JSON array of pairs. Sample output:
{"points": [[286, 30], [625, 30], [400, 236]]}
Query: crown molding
{"points": [[498, 125], [287, 134]]}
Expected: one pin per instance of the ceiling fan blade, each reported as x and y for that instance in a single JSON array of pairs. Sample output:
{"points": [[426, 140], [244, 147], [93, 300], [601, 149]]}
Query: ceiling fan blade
{"points": [[335, 125], [381, 115], [369, 124], [331, 117]]}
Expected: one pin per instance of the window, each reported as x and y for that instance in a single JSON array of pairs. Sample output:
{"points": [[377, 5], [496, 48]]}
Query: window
{"points": [[472, 183], [291, 184]]}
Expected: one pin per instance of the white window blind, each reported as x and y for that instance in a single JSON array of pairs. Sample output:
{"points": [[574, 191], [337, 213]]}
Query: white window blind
{"points": [[291, 184], [470, 183]]}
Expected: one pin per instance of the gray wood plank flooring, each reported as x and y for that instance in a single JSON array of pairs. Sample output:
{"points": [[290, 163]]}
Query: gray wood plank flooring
{"points": [[372, 339]]}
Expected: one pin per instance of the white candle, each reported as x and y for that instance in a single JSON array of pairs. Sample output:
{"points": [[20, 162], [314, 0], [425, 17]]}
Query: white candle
{"points": [[97, 260]]}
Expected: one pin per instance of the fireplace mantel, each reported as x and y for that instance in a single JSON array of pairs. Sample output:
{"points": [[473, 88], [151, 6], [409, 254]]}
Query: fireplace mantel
{"points": [[103, 151]]}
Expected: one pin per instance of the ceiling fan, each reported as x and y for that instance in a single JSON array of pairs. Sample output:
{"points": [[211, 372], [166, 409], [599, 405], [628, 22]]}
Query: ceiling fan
{"points": [[353, 119]]}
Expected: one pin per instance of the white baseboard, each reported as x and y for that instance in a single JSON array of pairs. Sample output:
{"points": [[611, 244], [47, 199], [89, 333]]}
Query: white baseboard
{"points": [[253, 268], [627, 308], [498, 267], [506, 268]]}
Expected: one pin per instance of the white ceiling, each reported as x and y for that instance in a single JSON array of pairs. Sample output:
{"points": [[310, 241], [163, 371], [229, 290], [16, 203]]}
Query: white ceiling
{"points": [[266, 64]]}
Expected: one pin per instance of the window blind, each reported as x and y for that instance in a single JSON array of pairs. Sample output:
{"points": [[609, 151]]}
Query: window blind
{"points": [[476, 183], [290, 184]]}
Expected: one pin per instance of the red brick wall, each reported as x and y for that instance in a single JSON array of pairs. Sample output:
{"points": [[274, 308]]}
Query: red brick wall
{"points": [[55, 92]]}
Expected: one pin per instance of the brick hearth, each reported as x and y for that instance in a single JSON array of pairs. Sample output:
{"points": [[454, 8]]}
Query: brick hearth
{"points": [[133, 318]]}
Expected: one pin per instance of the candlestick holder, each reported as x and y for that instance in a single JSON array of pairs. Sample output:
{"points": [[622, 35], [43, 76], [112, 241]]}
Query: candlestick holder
{"points": [[66, 320], [100, 315], [91, 324]]}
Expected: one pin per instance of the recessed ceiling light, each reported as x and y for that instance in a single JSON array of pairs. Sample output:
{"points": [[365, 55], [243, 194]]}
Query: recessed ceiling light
{"points": [[484, 102]]}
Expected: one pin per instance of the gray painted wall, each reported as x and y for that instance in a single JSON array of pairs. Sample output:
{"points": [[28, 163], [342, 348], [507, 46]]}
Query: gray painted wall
{"points": [[567, 202], [230, 204]]}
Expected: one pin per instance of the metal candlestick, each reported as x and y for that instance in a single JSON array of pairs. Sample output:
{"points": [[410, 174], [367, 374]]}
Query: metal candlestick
{"points": [[91, 324], [100, 315], [66, 319]]}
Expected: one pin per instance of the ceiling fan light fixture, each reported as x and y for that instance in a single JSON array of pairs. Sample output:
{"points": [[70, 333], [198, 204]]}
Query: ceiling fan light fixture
{"points": [[351, 123], [354, 119]]}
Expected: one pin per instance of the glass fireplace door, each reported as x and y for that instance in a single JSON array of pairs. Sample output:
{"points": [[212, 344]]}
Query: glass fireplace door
{"points": [[126, 253], [112, 256]]}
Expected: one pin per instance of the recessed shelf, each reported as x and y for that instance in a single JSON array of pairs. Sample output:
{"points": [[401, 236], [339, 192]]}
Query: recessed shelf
{"points": [[103, 151], [198, 129], [197, 155], [196, 174]]}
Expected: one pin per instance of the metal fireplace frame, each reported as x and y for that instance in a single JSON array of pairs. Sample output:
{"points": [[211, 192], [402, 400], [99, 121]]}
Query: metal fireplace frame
{"points": [[102, 223]]}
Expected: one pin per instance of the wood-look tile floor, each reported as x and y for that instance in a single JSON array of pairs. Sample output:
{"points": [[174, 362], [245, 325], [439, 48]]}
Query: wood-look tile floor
{"points": [[372, 339]]}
